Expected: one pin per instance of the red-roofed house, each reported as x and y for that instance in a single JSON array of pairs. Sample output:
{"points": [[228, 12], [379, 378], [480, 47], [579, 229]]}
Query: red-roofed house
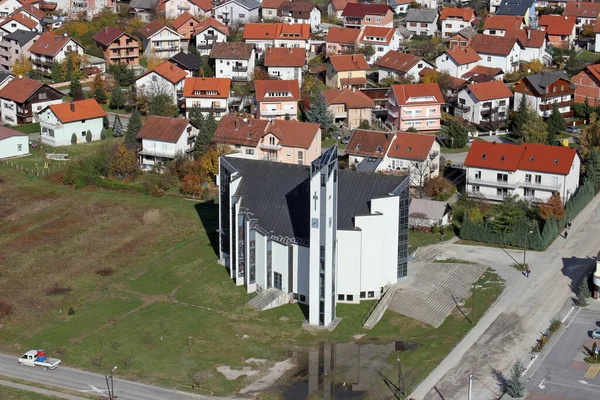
{"points": [[349, 107], [543, 91], [164, 137], [348, 70], [341, 40], [118, 46], [268, 8], [13, 143], [358, 15], [486, 103], [285, 63], [455, 19], [58, 122], [51, 48], [7, 7], [22, 99], [587, 85], [560, 30], [397, 65], [208, 94], [198, 8], [457, 61], [290, 142], [300, 12], [233, 60], [533, 45], [185, 24], [277, 99], [277, 35], [20, 21], [533, 171], [416, 105], [498, 51], [336, 7], [585, 13], [381, 39], [160, 40], [209, 32], [498, 25], [165, 78]]}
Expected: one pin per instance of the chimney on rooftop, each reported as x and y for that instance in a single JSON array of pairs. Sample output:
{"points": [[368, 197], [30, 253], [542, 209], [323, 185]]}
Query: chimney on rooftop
{"points": [[466, 50], [236, 124], [578, 5], [528, 33], [72, 106]]}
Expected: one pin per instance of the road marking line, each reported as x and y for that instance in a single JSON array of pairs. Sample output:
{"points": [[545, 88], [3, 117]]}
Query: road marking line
{"points": [[574, 317], [530, 364], [567, 316], [541, 385], [593, 371]]}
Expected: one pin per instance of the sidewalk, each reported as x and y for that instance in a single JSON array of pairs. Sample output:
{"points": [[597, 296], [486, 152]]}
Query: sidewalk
{"points": [[45, 392]]}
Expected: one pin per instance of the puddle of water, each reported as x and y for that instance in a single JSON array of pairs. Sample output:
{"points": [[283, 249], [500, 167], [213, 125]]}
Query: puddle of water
{"points": [[341, 371]]}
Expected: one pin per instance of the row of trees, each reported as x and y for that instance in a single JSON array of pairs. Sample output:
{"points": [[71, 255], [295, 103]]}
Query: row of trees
{"points": [[527, 125]]}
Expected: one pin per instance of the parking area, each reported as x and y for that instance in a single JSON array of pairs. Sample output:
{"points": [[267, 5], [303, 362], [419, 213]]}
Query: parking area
{"points": [[562, 373]]}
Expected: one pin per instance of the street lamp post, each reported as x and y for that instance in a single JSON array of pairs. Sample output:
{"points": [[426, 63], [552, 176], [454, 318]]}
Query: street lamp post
{"points": [[525, 251], [473, 308], [110, 387]]}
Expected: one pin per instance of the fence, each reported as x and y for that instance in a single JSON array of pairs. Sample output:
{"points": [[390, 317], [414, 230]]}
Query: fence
{"points": [[82, 81], [36, 171]]}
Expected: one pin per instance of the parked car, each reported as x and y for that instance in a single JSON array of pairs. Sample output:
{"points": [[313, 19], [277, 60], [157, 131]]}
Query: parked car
{"points": [[596, 333], [345, 139], [37, 358], [573, 129]]}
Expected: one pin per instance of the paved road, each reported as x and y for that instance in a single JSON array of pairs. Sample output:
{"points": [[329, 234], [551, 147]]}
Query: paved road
{"points": [[509, 329], [88, 382]]}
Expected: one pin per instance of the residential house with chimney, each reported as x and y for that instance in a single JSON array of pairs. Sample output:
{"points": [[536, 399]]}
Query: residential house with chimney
{"points": [[209, 32], [462, 38], [485, 103], [520, 8], [335, 8], [22, 99], [32, 12], [51, 48], [264, 36], [15, 45], [241, 12], [277, 99], [398, 66], [118, 47], [208, 94], [358, 15], [290, 142], [531, 171], [341, 40], [416, 105], [421, 21], [455, 19], [347, 71], [300, 12], [533, 45], [59, 122], [498, 51], [234, 60], [268, 9], [381, 39], [499, 25], [583, 12], [185, 24], [483, 74], [165, 78], [560, 30], [18, 21], [187, 62], [175, 8], [542, 91], [163, 138], [457, 61], [349, 106], [285, 63], [159, 40], [587, 85], [143, 9]]}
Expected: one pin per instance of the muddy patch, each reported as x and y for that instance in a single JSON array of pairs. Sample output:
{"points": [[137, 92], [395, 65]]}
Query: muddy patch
{"points": [[233, 374]]}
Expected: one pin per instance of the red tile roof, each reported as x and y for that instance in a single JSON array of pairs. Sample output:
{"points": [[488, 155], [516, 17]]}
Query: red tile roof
{"points": [[151, 29], [490, 44], [557, 24], [463, 56], [582, 10], [205, 5], [398, 61], [182, 19], [339, 5], [211, 22], [481, 70], [528, 157], [351, 98], [528, 37], [6, 132], [349, 62], [293, 133], [271, 3], [343, 35], [454, 83], [77, 110], [34, 11], [195, 87], [466, 14], [163, 129], [360, 10], [22, 19], [503, 22], [422, 93], [167, 70], [49, 44], [285, 57], [19, 90], [594, 70], [277, 86], [369, 143], [272, 31], [411, 146], [490, 90], [108, 35], [377, 32], [232, 50]]}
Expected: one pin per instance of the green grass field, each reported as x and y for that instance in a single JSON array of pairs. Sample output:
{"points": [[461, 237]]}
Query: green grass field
{"points": [[9, 393], [168, 307], [447, 150], [27, 128]]}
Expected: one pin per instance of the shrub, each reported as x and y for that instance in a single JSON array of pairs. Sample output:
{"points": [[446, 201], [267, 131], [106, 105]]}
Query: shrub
{"points": [[73, 139], [103, 134], [97, 360], [439, 185], [556, 323], [104, 272], [57, 290], [71, 311], [191, 184], [515, 387], [5, 308], [88, 136]]}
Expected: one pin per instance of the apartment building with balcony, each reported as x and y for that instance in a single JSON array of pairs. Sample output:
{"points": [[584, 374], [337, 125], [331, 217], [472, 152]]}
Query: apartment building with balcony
{"points": [[166, 78], [285, 63], [198, 8], [398, 65], [14, 46], [290, 142], [357, 15], [22, 99], [560, 30], [532, 171], [380, 39], [341, 40], [585, 13], [118, 47], [277, 99], [50, 48], [163, 138], [455, 19], [159, 40], [416, 106], [349, 106], [264, 36], [486, 103], [208, 94], [207, 33], [502, 52], [234, 60], [58, 122], [542, 91], [237, 12], [346, 71]]}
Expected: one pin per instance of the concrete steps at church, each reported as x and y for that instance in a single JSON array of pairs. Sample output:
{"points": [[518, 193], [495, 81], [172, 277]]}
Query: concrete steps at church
{"points": [[264, 299], [429, 253]]}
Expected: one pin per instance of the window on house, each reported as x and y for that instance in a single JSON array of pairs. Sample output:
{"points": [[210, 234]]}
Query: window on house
{"points": [[349, 297], [502, 178], [529, 192], [528, 178], [250, 151], [538, 179], [242, 15], [302, 298], [489, 58], [477, 174], [363, 295], [502, 192], [19, 147], [341, 297], [42, 96], [277, 281], [371, 294], [475, 188]]}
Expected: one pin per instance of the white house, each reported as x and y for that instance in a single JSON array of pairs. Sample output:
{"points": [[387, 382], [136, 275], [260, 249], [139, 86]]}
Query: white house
{"points": [[457, 61], [19, 21], [8, 7], [533, 45], [263, 36], [163, 138], [498, 51], [399, 6], [13, 143], [397, 65], [159, 40], [484, 103], [240, 12], [543, 91], [59, 122], [234, 60], [455, 20], [22, 99], [209, 94], [421, 21], [381, 39], [209, 32], [198, 8], [285, 63], [165, 78], [342, 235], [532, 171], [300, 12], [50, 48]]}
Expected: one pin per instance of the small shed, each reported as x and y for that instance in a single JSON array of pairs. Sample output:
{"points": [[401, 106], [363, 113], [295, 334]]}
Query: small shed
{"points": [[423, 212], [13, 143]]}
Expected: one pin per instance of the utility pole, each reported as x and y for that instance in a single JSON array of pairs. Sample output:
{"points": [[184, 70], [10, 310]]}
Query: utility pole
{"points": [[470, 385], [400, 395], [473, 308]]}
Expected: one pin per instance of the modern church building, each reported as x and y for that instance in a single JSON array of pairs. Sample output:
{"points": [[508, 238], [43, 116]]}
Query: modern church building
{"points": [[313, 234]]}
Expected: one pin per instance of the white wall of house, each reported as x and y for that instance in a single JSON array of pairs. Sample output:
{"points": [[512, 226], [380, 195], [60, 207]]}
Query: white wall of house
{"points": [[174, 8], [153, 84], [451, 26], [10, 108], [446, 63], [8, 7], [529, 54], [302, 44], [164, 44], [349, 248], [412, 73], [476, 107], [597, 43], [55, 133], [280, 261], [508, 63], [381, 48], [224, 68], [162, 149], [14, 146], [207, 104], [236, 13], [536, 102], [62, 54], [13, 26], [202, 41], [422, 28], [260, 261], [314, 19], [286, 73]]}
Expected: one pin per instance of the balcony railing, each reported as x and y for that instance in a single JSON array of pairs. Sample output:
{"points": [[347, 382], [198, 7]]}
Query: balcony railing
{"points": [[267, 113], [393, 113], [170, 48], [462, 107], [164, 154], [561, 104], [40, 61], [541, 186], [268, 146], [496, 183], [183, 6], [420, 116], [240, 69], [488, 196], [210, 37], [269, 157]]}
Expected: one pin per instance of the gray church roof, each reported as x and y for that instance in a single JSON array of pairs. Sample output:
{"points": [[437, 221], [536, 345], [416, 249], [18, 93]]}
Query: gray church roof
{"points": [[514, 7], [277, 195]]}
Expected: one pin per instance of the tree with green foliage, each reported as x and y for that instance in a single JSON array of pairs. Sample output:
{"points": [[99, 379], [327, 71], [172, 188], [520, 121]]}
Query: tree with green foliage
{"points": [[365, 124], [103, 134], [457, 135], [584, 292], [76, 90], [88, 136], [367, 50], [590, 136], [319, 113], [162, 105], [519, 117], [117, 99], [210, 124], [69, 69], [515, 386], [133, 127], [73, 139], [123, 74], [592, 168], [99, 93], [206, 70], [105, 122], [117, 127], [510, 212], [57, 75], [412, 129], [534, 130], [556, 124]]}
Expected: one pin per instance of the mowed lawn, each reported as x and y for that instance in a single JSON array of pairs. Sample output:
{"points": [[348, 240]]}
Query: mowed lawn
{"points": [[168, 307]]}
